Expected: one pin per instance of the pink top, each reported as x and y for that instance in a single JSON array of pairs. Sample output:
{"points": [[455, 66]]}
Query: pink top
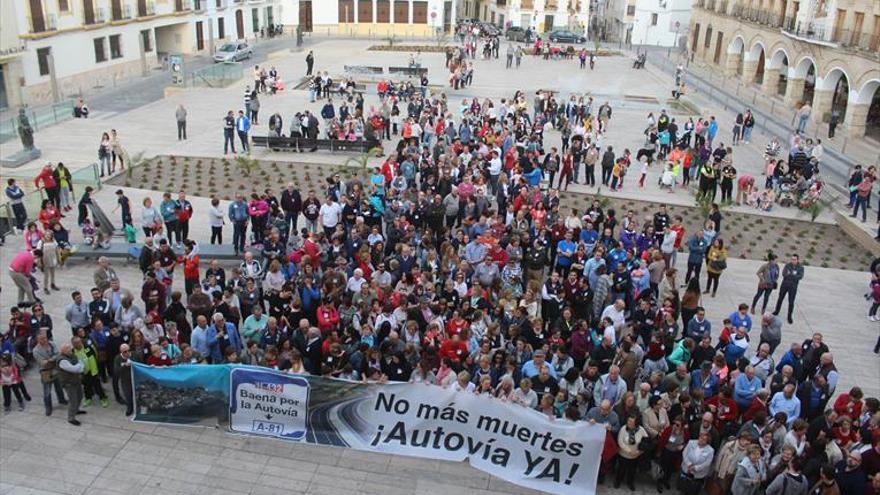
{"points": [[744, 180], [22, 263]]}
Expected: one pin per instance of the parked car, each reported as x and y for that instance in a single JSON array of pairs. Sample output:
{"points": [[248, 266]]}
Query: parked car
{"points": [[489, 29], [565, 36], [233, 52], [516, 33]]}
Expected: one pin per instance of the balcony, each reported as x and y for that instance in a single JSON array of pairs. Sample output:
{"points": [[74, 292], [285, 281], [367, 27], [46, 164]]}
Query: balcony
{"points": [[809, 31], [709, 4], [183, 5], [760, 16], [43, 24], [100, 15], [858, 41], [221, 4], [200, 5], [722, 7]]}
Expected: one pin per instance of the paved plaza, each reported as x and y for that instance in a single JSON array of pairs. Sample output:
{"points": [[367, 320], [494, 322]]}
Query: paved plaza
{"points": [[111, 455]]}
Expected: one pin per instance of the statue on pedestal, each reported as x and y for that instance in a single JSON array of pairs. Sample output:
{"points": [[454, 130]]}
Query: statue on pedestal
{"points": [[25, 131]]}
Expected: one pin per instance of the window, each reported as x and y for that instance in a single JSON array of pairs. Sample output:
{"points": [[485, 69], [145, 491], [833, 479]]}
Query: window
{"points": [[221, 27], [630, 10], [653, 19], [100, 53], [43, 60], [64, 5], [148, 41], [708, 40], [116, 46], [255, 19]]}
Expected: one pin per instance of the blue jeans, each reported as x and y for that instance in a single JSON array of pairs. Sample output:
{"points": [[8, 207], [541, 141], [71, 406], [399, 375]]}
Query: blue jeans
{"points": [[802, 123], [239, 230], [861, 203], [747, 133]]}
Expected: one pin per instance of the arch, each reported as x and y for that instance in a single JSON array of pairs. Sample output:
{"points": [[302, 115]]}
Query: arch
{"points": [[829, 82], [803, 66], [757, 49], [779, 59], [866, 93], [736, 44]]}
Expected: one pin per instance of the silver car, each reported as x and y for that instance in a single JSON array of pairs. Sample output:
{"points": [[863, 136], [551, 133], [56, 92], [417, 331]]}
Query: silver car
{"points": [[233, 52]]}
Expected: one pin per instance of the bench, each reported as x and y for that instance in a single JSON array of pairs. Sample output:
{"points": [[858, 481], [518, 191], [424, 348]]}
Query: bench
{"points": [[116, 250], [131, 252], [284, 143], [409, 71], [362, 69]]}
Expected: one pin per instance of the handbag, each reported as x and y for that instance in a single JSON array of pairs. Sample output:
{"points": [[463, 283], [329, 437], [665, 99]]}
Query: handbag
{"points": [[718, 265], [46, 376]]}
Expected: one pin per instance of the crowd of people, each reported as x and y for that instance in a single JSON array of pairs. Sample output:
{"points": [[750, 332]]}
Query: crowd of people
{"points": [[454, 265]]}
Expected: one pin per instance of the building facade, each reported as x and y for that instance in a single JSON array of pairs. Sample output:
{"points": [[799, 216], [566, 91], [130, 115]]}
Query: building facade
{"points": [[370, 18], [661, 22], [540, 15], [58, 48], [822, 52]]}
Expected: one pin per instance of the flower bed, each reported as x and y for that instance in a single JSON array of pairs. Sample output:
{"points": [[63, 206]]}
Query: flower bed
{"points": [[409, 48]]}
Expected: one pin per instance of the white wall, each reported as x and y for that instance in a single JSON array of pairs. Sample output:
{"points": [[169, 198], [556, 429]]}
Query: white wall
{"points": [[664, 32]]}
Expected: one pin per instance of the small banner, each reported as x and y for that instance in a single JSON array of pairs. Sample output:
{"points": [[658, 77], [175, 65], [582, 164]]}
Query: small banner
{"points": [[505, 440]]}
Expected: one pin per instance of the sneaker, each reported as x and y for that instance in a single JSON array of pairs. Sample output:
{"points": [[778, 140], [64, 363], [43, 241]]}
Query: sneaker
{"points": [[74, 422], [872, 318], [87, 403], [105, 403], [21, 406]]}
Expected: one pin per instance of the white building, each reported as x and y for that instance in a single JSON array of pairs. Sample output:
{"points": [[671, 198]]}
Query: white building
{"points": [[540, 15], [373, 18], [90, 43], [661, 22]]}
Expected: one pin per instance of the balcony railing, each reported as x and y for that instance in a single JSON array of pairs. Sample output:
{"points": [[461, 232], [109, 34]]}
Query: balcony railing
{"points": [[200, 5], [862, 41], [100, 15], [710, 5], [722, 7], [807, 30], [47, 23]]}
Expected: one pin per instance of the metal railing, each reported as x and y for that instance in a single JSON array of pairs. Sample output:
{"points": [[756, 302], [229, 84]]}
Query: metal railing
{"points": [[806, 30], [33, 197], [50, 23], [216, 76], [858, 40], [39, 118]]}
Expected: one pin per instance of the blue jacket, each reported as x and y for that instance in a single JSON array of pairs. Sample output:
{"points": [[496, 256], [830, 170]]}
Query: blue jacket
{"points": [[238, 211], [696, 250], [698, 329], [214, 347], [242, 124], [745, 390], [739, 321], [534, 177], [311, 298], [169, 213], [709, 386]]}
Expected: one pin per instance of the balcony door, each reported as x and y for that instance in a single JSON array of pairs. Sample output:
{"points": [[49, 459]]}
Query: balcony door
{"points": [[88, 11], [239, 23], [116, 10], [305, 16], [38, 20]]}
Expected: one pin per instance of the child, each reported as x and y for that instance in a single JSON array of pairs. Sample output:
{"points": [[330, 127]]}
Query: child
{"points": [[101, 240], [88, 233], [10, 379], [644, 174]]}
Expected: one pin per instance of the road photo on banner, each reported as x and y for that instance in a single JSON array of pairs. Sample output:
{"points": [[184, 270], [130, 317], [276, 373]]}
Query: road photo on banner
{"points": [[516, 444]]}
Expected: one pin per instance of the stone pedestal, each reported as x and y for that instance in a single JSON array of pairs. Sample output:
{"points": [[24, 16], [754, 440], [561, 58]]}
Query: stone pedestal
{"points": [[770, 86], [19, 158], [854, 120], [794, 92], [821, 104]]}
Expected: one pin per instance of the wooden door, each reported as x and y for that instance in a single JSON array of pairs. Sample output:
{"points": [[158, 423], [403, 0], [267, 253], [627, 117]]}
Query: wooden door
{"points": [[116, 10], [142, 8], [305, 16], [420, 12], [401, 12], [875, 35], [200, 36], [838, 24], [88, 11], [239, 23], [346, 11], [365, 11], [383, 11], [719, 40], [858, 24], [38, 20]]}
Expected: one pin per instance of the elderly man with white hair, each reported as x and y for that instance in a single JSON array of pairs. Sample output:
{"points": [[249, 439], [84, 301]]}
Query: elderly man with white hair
{"points": [[610, 387], [355, 281], [104, 274], [763, 362]]}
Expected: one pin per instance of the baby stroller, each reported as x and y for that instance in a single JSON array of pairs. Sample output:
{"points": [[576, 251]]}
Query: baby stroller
{"points": [[786, 192]]}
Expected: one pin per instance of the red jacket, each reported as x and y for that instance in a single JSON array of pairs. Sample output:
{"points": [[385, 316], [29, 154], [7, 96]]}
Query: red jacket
{"points": [[328, 318], [46, 176], [455, 352], [843, 408], [191, 268]]}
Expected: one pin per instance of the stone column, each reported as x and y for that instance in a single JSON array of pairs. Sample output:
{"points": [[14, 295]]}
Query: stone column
{"points": [[749, 69], [821, 104], [854, 120], [730, 65], [770, 86], [794, 92]]}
